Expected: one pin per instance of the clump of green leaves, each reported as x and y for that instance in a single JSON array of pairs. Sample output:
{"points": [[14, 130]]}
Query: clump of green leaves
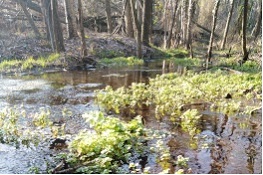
{"points": [[114, 146], [170, 94], [16, 129], [181, 164], [122, 61], [109, 145], [190, 121], [29, 63], [124, 99]]}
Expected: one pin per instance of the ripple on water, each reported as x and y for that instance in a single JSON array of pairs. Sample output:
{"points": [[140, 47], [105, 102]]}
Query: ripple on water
{"points": [[19, 161]]}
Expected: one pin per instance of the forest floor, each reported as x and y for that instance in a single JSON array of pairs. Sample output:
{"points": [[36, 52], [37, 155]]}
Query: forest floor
{"points": [[99, 45], [21, 46]]}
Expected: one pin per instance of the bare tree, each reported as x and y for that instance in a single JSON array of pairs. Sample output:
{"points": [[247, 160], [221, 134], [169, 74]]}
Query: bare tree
{"points": [[227, 24], [128, 19], [172, 24], [258, 26], [244, 32], [84, 51], [189, 27], [146, 21], [24, 7], [137, 27], [70, 19], [57, 29], [184, 20], [215, 10], [108, 14]]}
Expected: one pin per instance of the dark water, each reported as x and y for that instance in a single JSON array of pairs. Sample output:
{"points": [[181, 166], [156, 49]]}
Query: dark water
{"points": [[226, 144]]}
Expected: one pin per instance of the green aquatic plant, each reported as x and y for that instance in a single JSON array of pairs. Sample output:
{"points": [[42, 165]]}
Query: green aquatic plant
{"points": [[190, 121], [112, 145], [171, 94], [19, 128]]}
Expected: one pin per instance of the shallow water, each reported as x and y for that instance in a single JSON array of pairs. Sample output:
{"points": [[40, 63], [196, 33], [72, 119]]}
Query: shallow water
{"points": [[235, 143]]}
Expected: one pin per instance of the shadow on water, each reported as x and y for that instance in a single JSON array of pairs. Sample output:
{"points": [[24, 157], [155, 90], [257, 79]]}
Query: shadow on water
{"points": [[226, 144]]}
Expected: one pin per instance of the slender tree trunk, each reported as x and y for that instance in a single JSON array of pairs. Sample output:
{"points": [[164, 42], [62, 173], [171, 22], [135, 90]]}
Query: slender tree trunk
{"points": [[57, 29], [147, 20], [209, 52], [137, 28], [258, 26], [128, 20], [47, 12], [244, 32], [189, 27], [108, 14], [28, 16], [84, 51], [184, 20], [165, 23], [70, 19], [170, 33], [227, 25]]}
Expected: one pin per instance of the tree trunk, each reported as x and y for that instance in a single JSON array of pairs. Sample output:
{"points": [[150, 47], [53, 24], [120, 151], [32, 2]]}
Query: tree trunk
{"points": [[32, 5], [171, 27], [36, 31], [137, 28], [108, 14], [209, 52], [57, 29], [184, 20], [147, 20], [258, 26], [47, 13], [244, 32], [84, 51], [227, 25], [128, 20], [70, 19], [189, 27], [165, 23]]}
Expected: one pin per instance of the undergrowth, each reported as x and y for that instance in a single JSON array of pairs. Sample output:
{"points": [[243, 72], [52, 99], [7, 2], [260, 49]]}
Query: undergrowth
{"points": [[29, 63]]}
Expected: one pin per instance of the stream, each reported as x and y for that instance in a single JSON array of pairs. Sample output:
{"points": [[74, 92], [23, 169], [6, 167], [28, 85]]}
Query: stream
{"points": [[226, 144]]}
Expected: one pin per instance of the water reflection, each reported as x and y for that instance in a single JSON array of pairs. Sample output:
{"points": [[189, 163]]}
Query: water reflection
{"points": [[226, 144]]}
